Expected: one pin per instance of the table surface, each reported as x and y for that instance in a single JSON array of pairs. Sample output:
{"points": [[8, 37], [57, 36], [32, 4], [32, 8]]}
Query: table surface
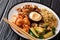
{"points": [[6, 33]]}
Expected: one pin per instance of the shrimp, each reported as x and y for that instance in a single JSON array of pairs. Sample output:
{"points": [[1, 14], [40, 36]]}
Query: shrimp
{"points": [[23, 22], [25, 10], [26, 27], [26, 20], [26, 24], [18, 22]]}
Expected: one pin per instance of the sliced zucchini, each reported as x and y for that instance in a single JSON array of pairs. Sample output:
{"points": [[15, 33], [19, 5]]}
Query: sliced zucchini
{"points": [[34, 32], [39, 29], [47, 35], [45, 25], [31, 33]]}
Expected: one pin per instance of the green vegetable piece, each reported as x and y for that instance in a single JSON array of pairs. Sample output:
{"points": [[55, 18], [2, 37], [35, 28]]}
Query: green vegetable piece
{"points": [[53, 30], [31, 33], [45, 25], [34, 32], [41, 37], [39, 29], [47, 35]]}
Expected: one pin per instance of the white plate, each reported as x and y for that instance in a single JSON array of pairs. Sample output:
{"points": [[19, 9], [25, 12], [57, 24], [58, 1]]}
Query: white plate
{"points": [[13, 11]]}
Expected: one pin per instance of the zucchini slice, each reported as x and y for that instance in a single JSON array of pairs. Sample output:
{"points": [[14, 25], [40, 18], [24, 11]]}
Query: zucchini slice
{"points": [[47, 35], [39, 29], [34, 32]]}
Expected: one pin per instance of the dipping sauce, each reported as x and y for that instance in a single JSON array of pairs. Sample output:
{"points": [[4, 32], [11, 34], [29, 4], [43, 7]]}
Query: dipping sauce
{"points": [[35, 16]]}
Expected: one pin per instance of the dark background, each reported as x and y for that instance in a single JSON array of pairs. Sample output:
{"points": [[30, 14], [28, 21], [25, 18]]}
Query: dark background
{"points": [[6, 33]]}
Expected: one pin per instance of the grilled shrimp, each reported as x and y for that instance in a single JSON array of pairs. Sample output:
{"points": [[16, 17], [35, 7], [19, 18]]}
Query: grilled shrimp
{"points": [[26, 27], [26, 20], [18, 22]]}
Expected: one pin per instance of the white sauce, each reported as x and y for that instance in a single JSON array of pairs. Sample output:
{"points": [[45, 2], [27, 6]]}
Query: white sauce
{"points": [[35, 16]]}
